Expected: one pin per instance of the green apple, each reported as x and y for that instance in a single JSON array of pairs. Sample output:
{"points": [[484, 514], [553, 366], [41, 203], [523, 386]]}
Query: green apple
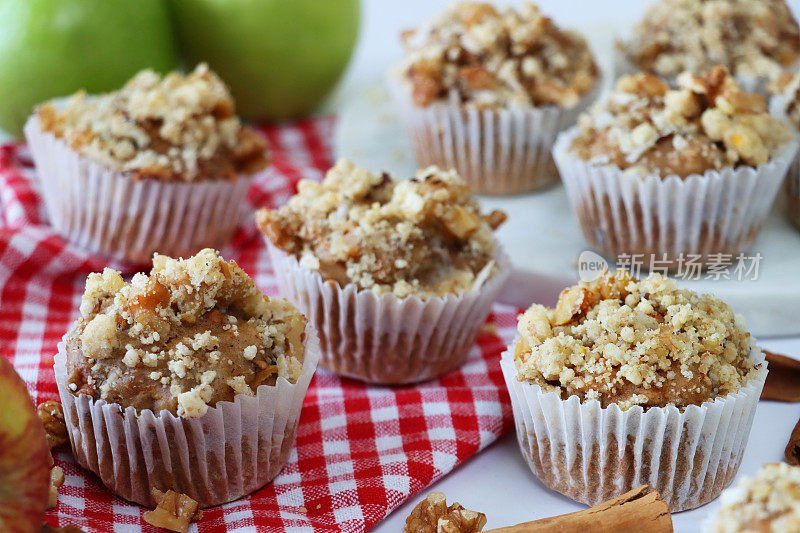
{"points": [[24, 457], [279, 57], [51, 48]]}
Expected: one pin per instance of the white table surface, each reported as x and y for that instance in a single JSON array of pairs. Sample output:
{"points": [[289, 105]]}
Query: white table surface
{"points": [[497, 481]]}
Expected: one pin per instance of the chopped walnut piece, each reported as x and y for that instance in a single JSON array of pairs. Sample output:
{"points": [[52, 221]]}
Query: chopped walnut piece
{"points": [[173, 512], [52, 416], [56, 480], [432, 515]]}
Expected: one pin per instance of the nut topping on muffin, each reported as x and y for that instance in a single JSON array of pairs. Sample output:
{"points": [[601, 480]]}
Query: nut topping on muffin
{"points": [[194, 332], [179, 128], [493, 57], [707, 123], [423, 236], [768, 501], [752, 38], [629, 342]]}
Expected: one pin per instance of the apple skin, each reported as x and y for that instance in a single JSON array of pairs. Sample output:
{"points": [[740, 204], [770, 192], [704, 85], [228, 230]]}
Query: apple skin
{"points": [[24, 457], [279, 57], [51, 48]]}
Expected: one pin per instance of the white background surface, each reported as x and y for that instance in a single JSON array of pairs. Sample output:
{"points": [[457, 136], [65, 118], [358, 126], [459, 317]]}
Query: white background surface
{"points": [[497, 481]]}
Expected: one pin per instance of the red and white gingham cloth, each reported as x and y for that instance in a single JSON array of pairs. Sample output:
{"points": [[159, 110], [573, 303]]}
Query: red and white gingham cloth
{"points": [[361, 450]]}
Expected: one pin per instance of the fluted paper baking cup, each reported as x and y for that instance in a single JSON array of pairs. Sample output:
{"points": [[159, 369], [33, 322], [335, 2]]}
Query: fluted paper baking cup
{"points": [[670, 219], [112, 213], [792, 183], [592, 454], [496, 151], [234, 449], [385, 339]]}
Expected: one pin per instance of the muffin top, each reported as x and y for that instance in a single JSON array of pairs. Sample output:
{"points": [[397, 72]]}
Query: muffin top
{"points": [[424, 236], [628, 342], [194, 332], [787, 87], [180, 128], [768, 502], [491, 57], [707, 123], [752, 38]]}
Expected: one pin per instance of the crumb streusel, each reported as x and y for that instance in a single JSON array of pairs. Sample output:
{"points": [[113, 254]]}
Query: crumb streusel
{"points": [[490, 57], [423, 236], [634, 342], [177, 128], [752, 38], [768, 502], [194, 332], [708, 122]]}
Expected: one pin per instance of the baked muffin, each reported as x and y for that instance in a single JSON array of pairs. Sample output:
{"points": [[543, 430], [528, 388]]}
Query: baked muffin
{"points": [[162, 165], [754, 39], [661, 172], [768, 502], [485, 90], [629, 382], [786, 104], [397, 275], [151, 367]]}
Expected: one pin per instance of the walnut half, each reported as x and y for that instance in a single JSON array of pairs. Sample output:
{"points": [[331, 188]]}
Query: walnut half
{"points": [[173, 512], [432, 515]]}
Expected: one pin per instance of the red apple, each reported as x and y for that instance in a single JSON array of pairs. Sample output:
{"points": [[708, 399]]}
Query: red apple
{"points": [[24, 457]]}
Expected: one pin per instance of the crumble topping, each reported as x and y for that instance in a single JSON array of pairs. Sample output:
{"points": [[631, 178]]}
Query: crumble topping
{"points": [[492, 57], [768, 502], [634, 342], [752, 38], [423, 236], [787, 87], [179, 128], [707, 122], [194, 332]]}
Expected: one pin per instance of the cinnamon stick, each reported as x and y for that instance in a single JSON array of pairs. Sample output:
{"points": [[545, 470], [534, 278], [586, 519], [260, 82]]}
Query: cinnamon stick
{"points": [[783, 380], [639, 511], [793, 448]]}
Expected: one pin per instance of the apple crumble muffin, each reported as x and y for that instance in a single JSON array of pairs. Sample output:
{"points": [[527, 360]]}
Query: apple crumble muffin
{"points": [[752, 38], [768, 502], [497, 57], [424, 236], [631, 342], [707, 122], [179, 128], [194, 332]]}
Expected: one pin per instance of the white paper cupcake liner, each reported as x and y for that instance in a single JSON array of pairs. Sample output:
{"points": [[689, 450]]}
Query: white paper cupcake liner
{"points": [[496, 151], [792, 183], [670, 219], [793, 192], [111, 213], [591, 454], [385, 339], [234, 449]]}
